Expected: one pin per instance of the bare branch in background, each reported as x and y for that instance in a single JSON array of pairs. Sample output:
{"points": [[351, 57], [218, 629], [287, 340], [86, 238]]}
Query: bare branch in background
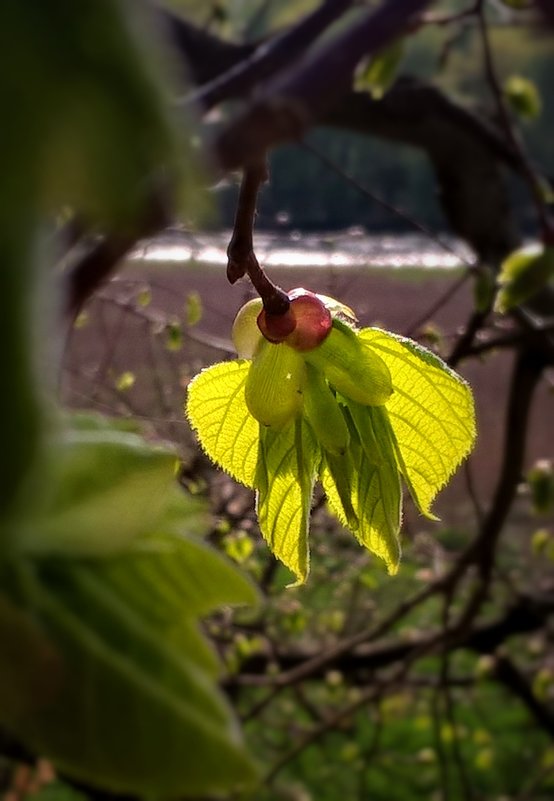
{"points": [[296, 100], [269, 57]]}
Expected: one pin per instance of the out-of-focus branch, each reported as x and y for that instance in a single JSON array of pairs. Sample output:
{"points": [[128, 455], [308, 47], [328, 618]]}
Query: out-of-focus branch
{"points": [[506, 672], [294, 101], [526, 167], [528, 369], [466, 152], [271, 56], [526, 615], [89, 272]]}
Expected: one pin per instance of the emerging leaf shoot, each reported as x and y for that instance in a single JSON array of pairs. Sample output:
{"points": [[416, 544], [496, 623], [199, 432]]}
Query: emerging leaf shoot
{"points": [[523, 273], [360, 410]]}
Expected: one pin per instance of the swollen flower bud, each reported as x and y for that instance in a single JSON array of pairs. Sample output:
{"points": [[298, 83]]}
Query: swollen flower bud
{"points": [[354, 370], [313, 320], [324, 414], [275, 385]]}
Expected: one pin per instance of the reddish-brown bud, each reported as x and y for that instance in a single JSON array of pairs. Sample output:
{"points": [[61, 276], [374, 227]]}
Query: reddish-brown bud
{"points": [[276, 327], [313, 320]]}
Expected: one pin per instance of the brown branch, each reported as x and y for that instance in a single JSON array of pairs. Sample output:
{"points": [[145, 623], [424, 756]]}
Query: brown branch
{"points": [[205, 56], [515, 339], [526, 615], [297, 99], [279, 52], [513, 679], [527, 371], [527, 170], [93, 269], [241, 257], [466, 152], [464, 345]]}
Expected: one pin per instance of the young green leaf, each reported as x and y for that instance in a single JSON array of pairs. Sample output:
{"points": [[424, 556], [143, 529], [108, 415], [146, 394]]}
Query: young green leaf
{"points": [[324, 414], [287, 466], [216, 408], [352, 370], [374, 482], [193, 308], [275, 385], [431, 414], [522, 274], [540, 479]]}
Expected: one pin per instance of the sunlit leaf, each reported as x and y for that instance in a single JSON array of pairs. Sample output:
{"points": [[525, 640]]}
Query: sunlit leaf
{"points": [[238, 547], [370, 473], [216, 408], [288, 461], [431, 414]]}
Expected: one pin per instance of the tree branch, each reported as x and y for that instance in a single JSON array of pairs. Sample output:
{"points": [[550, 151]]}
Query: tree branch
{"points": [[279, 52], [526, 615], [292, 102]]}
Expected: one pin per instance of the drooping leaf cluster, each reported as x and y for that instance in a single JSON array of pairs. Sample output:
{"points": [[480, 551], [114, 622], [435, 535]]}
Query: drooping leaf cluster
{"points": [[419, 435]]}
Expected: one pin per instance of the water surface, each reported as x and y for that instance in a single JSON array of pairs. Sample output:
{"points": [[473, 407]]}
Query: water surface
{"points": [[353, 248]]}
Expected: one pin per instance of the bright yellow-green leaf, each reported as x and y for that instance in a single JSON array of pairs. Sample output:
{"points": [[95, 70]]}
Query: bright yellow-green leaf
{"points": [[431, 412], [371, 477], [285, 478], [216, 408]]}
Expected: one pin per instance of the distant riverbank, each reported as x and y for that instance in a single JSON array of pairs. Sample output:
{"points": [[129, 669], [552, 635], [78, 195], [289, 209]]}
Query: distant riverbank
{"points": [[352, 248]]}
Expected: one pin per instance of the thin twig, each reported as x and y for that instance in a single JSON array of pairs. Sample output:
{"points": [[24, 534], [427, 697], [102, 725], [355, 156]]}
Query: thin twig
{"points": [[394, 210], [241, 257], [299, 97], [271, 56], [529, 173], [450, 709], [441, 301]]}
